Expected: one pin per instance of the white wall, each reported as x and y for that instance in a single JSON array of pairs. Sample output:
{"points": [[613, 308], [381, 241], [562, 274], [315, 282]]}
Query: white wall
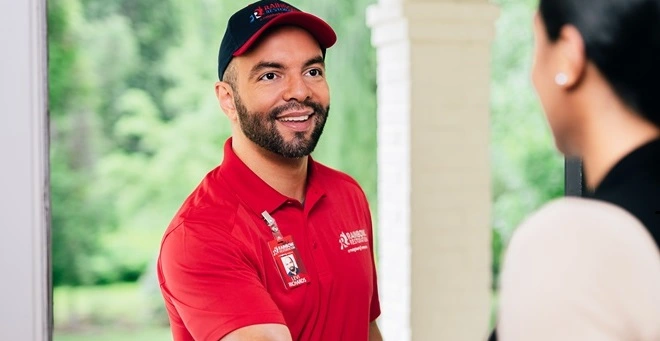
{"points": [[23, 172]]}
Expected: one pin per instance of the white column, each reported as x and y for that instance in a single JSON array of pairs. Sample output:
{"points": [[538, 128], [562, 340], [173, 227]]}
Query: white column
{"points": [[24, 271], [434, 174]]}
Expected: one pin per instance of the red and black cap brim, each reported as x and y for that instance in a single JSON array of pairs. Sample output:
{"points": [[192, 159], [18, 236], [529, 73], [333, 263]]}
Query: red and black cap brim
{"points": [[318, 28]]}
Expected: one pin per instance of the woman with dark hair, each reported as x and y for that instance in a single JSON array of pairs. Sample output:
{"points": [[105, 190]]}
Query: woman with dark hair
{"points": [[589, 268]]}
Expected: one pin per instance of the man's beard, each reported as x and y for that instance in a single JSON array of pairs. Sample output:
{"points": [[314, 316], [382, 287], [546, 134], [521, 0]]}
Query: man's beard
{"points": [[261, 128]]}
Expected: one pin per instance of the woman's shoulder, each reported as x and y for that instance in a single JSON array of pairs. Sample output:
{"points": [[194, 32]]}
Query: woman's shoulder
{"points": [[584, 264], [584, 218]]}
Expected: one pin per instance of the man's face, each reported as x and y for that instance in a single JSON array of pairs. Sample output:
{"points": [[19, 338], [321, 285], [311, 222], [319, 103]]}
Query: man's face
{"points": [[281, 96], [288, 263]]}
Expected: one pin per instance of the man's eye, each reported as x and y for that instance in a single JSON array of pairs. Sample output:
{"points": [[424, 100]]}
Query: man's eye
{"points": [[269, 76], [314, 72]]}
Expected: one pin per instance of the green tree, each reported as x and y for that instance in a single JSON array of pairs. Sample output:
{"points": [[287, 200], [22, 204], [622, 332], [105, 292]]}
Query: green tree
{"points": [[79, 215]]}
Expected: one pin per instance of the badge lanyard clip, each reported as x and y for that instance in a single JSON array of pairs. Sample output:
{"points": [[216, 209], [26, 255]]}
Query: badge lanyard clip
{"points": [[270, 221]]}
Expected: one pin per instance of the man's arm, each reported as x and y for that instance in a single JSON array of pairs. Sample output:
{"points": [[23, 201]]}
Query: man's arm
{"points": [[374, 332], [260, 332], [214, 290]]}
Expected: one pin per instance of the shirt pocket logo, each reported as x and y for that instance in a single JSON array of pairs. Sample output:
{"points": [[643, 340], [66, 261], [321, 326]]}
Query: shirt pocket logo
{"points": [[354, 241]]}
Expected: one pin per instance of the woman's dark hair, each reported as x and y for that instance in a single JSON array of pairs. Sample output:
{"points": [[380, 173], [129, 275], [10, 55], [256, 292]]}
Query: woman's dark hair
{"points": [[622, 38]]}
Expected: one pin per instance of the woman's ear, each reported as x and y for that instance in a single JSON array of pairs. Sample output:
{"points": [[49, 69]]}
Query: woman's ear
{"points": [[572, 59], [225, 94]]}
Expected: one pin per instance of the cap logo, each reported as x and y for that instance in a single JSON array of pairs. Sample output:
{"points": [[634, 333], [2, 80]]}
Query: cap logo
{"points": [[264, 12], [258, 13]]}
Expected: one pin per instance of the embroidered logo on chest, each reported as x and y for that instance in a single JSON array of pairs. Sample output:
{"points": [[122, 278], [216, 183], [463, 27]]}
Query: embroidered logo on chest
{"points": [[353, 241]]}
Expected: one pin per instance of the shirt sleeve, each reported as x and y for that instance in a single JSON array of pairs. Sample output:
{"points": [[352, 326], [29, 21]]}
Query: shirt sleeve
{"points": [[375, 300], [580, 270], [375, 311], [213, 283]]}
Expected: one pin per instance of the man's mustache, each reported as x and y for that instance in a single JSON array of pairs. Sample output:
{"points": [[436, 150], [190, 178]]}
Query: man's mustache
{"points": [[316, 107]]}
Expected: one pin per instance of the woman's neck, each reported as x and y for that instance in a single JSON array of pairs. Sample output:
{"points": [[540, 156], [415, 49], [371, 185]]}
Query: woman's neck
{"points": [[611, 136]]}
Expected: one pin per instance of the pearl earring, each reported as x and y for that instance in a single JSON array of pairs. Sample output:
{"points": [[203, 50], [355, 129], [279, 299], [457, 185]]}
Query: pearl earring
{"points": [[561, 79]]}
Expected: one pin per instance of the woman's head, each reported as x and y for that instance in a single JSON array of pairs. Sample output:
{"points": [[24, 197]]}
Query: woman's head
{"points": [[619, 40]]}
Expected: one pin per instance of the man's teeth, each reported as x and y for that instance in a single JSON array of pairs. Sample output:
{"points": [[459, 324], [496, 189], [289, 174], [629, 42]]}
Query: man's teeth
{"points": [[295, 119]]}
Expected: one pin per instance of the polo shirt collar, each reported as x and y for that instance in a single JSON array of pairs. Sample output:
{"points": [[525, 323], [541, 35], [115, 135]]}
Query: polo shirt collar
{"points": [[256, 193]]}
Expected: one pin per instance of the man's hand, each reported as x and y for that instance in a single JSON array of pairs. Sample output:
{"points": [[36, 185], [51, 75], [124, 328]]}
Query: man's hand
{"points": [[374, 332], [260, 332]]}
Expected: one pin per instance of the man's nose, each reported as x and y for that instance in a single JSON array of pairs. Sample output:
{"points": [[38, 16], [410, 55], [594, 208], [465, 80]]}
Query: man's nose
{"points": [[297, 89]]}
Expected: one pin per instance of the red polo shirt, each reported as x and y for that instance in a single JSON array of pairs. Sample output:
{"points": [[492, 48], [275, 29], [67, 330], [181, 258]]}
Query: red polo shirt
{"points": [[217, 272]]}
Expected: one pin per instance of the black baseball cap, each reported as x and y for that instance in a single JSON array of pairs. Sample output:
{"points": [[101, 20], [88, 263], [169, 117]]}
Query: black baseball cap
{"points": [[248, 24]]}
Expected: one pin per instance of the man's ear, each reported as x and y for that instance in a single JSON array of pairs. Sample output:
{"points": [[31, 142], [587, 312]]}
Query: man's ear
{"points": [[225, 94], [572, 55]]}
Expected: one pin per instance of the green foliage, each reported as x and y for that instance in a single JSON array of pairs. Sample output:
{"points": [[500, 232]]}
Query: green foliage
{"points": [[105, 312], [64, 62], [78, 219], [112, 334], [79, 214]]}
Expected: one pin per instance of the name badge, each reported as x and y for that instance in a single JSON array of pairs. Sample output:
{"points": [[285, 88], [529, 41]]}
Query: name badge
{"points": [[286, 256], [288, 262]]}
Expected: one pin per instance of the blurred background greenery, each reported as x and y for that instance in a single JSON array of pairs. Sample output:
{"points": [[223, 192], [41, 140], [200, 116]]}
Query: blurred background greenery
{"points": [[135, 126]]}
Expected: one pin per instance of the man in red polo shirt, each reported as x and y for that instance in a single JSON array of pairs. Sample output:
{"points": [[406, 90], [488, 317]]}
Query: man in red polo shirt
{"points": [[272, 245]]}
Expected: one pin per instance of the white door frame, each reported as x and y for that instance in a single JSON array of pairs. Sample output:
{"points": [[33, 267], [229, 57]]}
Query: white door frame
{"points": [[25, 312]]}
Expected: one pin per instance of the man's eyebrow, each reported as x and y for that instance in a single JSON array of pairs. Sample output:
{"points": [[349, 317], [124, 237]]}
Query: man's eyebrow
{"points": [[315, 60], [275, 65], [265, 65]]}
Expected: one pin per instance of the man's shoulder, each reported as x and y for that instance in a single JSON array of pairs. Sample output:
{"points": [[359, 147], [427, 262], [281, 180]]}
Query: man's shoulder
{"points": [[210, 206], [203, 221]]}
